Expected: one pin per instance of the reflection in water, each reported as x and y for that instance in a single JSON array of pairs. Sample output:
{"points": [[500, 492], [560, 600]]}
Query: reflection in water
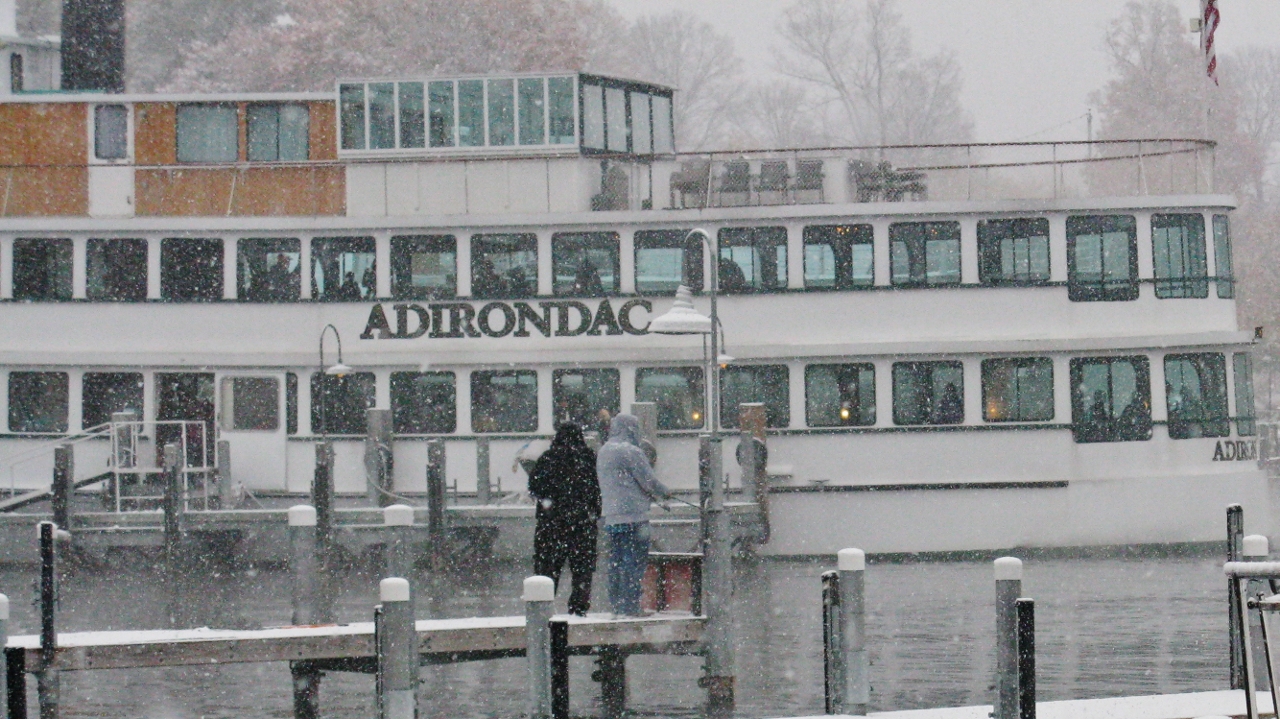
{"points": [[1107, 627]]}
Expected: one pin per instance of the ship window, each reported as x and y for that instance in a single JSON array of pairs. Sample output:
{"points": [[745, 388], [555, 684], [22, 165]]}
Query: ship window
{"points": [[589, 398], [767, 384], [924, 253], [38, 401], [424, 402], [268, 269], [424, 267], [585, 263], [838, 257], [16, 74], [382, 115], [412, 119], [502, 111], [1017, 390], [191, 269], [290, 403], [504, 266], [663, 137], [1111, 399], [441, 113], [343, 269], [251, 403], [678, 391], [1102, 258], [665, 259], [615, 108], [471, 113], [642, 137], [104, 393], [532, 111], [117, 270], [1222, 257], [592, 116], [41, 269], [1178, 253], [351, 98], [338, 404], [1242, 368], [753, 259], [208, 133], [278, 132], [928, 393], [1013, 252], [504, 401], [1195, 388], [110, 132], [560, 94], [840, 395]]}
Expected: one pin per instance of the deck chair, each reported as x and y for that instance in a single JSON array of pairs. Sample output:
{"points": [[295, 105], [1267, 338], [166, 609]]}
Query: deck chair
{"points": [[775, 179], [691, 182], [810, 179], [735, 181]]}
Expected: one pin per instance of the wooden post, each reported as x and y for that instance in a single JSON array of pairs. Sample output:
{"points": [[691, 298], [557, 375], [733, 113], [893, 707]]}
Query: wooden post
{"points": [[1026, 618], [833, 669], [753, 457], [613, 682], [226, 486], [378, 459], [4, 658], [436, 503], [482, 471], [302, 563], [539, 598], [559, 629], [322, 500], [47, 680], [1235, 539], [63, 483]]}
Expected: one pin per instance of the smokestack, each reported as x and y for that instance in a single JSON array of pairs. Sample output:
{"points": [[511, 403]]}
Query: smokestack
{"points": [[92, 45], [8, 18]]}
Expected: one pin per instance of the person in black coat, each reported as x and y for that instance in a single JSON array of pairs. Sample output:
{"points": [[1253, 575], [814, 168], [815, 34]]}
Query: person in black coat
{"points": [[563, 484]]}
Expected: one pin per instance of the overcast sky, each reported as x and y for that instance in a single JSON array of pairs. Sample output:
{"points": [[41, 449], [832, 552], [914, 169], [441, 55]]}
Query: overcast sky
{"points": [[1029, 65]]}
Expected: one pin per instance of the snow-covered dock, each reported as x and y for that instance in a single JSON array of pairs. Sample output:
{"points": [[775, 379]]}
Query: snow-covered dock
{"points": [[1158, 706]]}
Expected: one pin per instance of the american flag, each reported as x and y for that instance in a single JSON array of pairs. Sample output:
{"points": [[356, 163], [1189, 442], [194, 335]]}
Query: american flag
{"points": [[1209, 24]]}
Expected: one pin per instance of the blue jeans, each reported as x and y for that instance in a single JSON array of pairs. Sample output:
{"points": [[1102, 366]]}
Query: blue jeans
{"points": [[628, 558]]}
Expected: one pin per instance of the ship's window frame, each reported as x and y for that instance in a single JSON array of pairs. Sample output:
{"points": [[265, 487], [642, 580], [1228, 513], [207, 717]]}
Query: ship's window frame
{"points": [[854, 393], [925, 254], [770, 385], [593, 132], [1013, 252], [509, 413], [250, 404], [1135, 428], [17, 74], [921, 377], [677, 410], [191, 269], [111, 136], [429, 407], [1224, 269], [440, 123], [591, 406], [1196, 395], [277, 131], [208, 133], [341, 401], [531, 98], [471, 113], [411, 109], [641, 123], [500, 111], [404, 248], [38, 402], [357, 252], [1101, 289], [1023, 394], [382, 115], [850, 247], [570, 249], [352, 114], [501, 287], [105, 393], [116, 269], [1180, 264], [669, 240], [42, 268], [765, 253], [562, 119], [664, 136], [1246, 411], [279, 284]]}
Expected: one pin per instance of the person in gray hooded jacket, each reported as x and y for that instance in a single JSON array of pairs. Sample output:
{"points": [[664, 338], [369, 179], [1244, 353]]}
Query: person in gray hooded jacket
{"points": [[627, 487]]}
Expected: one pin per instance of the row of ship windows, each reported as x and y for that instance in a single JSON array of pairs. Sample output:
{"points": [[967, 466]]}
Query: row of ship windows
{"points": [[1110, 397], [1102, 262], [211, 132]]}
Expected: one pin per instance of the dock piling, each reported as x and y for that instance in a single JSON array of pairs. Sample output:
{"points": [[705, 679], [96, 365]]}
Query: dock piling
{"points": [[378, 457], [482, 471], [559, 635], [1026, 617], [226, 488], [612, 674], [852, 565], [322, 501], [302, 565], [1235, 538], [539, 599], [47, 680], [833, 669], [63, 485], [718, 676], [398, 651], [436, 503], [1255, 548], [1008, 572], [398, 520]]}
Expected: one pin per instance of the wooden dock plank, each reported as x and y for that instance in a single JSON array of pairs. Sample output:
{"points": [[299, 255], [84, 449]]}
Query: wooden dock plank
{"points": [[473, 635]]}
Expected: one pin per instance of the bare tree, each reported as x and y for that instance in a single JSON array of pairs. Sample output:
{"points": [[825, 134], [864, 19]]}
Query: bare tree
{"points": [[1253, 74], [859, 57], [779, 114]]}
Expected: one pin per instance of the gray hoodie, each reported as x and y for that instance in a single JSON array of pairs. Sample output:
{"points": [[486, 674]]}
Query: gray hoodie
{"points": [[627, 482]]}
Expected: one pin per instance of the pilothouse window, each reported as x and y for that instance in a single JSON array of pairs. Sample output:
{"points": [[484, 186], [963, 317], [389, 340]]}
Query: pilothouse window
{"points": [[1102, 258], [1111, 399], [1242, 369], [679, 393], [208, 133], [1013, 252], [1222, 257], [1178, 253], [278, 132], [1196, 394], [41, 269]]}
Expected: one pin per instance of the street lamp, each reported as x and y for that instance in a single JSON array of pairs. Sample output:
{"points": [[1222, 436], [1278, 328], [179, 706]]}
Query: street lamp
{"points": [[683, 319]]}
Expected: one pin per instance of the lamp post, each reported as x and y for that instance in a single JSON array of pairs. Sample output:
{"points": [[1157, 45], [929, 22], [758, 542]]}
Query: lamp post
{"points": [[322, 485], [683, 319]]}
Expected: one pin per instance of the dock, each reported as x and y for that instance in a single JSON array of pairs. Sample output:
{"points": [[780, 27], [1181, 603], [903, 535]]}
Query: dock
{"points": [[1193, 705]]}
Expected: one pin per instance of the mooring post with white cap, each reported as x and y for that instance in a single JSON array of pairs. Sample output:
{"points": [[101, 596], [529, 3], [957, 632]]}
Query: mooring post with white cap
{"points": [[1008, 572], [539, 599], [833, 669], [302, 566], [1254, 548], [436, 497], [852, 565], [1235, 539], [397, 651], [398, 522]]}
